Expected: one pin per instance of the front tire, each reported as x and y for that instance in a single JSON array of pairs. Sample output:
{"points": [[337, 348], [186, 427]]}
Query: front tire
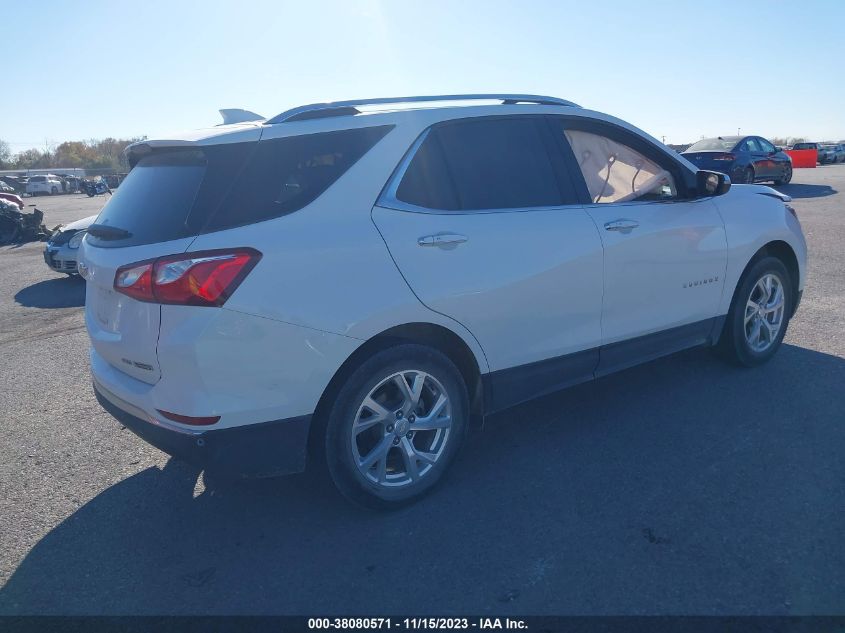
{"points": [[759, 315], [787, 176], [396, 426]]}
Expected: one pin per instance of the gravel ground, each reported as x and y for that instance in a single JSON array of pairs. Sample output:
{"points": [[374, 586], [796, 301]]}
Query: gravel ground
{"points": [[681, 486]]}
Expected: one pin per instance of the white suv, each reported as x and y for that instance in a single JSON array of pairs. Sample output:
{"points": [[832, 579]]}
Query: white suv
{"points": [[50, 185], [359, 281]]}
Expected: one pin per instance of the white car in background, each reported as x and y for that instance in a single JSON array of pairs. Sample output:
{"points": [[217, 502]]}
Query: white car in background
{"points": [[49, 185], [360, 281]]}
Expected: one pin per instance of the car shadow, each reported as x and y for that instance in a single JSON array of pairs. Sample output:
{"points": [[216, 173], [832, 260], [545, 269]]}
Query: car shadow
{"points": [[800, 190], [62, 292], [682, 486]]}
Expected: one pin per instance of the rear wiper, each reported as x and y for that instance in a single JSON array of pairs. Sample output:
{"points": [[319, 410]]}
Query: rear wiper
{"points": [[105, 232]]}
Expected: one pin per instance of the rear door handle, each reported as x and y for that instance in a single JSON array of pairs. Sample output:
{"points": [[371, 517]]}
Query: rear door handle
{"points": [[623, 226], [442, 239]]}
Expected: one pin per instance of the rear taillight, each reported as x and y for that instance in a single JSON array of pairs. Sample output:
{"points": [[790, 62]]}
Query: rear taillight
{"points": [[724, 157], [206, 278]]}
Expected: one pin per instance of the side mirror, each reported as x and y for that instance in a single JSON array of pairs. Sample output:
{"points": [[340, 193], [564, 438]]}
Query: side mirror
{"points": [[712, 183]]}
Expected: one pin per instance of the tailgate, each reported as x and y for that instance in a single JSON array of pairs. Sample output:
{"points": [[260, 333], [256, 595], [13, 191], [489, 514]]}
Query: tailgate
{"points": [[123, 330], [158, 210]]}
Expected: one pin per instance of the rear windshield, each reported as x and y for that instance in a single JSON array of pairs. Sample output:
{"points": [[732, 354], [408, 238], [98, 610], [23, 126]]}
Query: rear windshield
{"points": [[804, 146], [38, 179], [180, 193], [154, 202], [713, 144]]}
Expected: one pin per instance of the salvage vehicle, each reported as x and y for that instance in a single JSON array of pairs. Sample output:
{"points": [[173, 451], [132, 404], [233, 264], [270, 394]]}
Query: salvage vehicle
{"points": [[359, 282], [62, 248], [823, 155], [13, 198], [746, 159], [50, 185], [837, 152]]}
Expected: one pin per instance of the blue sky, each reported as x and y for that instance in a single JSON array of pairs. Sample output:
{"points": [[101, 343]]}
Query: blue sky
{"points": [[679, 69]]}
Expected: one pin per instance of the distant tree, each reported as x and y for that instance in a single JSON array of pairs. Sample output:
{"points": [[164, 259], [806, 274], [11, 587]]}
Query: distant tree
{"points": [[107, 153], [30, 159], [5, 154]]}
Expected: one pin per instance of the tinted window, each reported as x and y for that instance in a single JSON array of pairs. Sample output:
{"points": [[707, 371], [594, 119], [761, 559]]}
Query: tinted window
{"points": [[427, 182], [285, 174], [174, 194], [499, 164], [154, 201], [38, 179]]}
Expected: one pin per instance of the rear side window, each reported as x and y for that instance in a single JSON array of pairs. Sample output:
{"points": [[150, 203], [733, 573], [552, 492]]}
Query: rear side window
{"points": [[284, 175], [478, 164], [750, 145]]}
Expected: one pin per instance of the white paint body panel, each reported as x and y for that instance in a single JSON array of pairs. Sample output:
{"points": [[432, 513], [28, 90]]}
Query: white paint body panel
{"points": [[651, 272], [123, 331], [753, 219], [525, 286]]}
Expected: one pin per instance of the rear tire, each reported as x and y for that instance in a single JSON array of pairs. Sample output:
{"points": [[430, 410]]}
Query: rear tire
{"points": [[54, 191], [387, 444], [760, 311], [748, 176]]}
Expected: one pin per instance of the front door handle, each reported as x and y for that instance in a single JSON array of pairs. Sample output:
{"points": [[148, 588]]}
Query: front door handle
{"points": [[445, 240], [623, 226]]}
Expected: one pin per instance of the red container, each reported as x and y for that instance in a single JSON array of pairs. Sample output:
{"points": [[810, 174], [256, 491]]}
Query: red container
{"points": [[803, 157]]}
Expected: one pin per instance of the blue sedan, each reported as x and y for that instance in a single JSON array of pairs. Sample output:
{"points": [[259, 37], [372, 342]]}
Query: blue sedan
{"points": [[746, 159]]}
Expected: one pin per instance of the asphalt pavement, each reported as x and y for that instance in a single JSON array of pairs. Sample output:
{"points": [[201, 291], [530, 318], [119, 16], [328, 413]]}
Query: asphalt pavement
{"points": [[679, 487]]}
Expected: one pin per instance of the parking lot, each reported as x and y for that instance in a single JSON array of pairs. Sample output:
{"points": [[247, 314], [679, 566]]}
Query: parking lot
{"points": [[682, 486]]}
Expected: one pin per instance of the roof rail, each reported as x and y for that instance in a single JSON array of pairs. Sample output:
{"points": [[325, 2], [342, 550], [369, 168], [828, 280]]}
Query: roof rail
{"points": [[343, 108]]}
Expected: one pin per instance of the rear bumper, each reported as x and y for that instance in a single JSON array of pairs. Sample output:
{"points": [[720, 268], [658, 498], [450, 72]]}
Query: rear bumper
{"points": [[254, 450]]}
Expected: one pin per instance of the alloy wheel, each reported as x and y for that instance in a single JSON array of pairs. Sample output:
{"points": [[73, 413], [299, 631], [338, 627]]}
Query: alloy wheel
{"points": [[401, 428], [764, 312]]}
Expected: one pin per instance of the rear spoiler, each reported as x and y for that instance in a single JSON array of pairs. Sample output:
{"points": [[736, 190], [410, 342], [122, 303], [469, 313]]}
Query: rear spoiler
{"points": [[237, 115]]}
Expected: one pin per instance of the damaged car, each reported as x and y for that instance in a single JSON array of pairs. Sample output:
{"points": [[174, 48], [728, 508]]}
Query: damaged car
{"points": [[63, 247]]}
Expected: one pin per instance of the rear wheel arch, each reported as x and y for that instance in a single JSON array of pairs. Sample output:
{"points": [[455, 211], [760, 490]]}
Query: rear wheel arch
{"points": [[429, 334]]}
